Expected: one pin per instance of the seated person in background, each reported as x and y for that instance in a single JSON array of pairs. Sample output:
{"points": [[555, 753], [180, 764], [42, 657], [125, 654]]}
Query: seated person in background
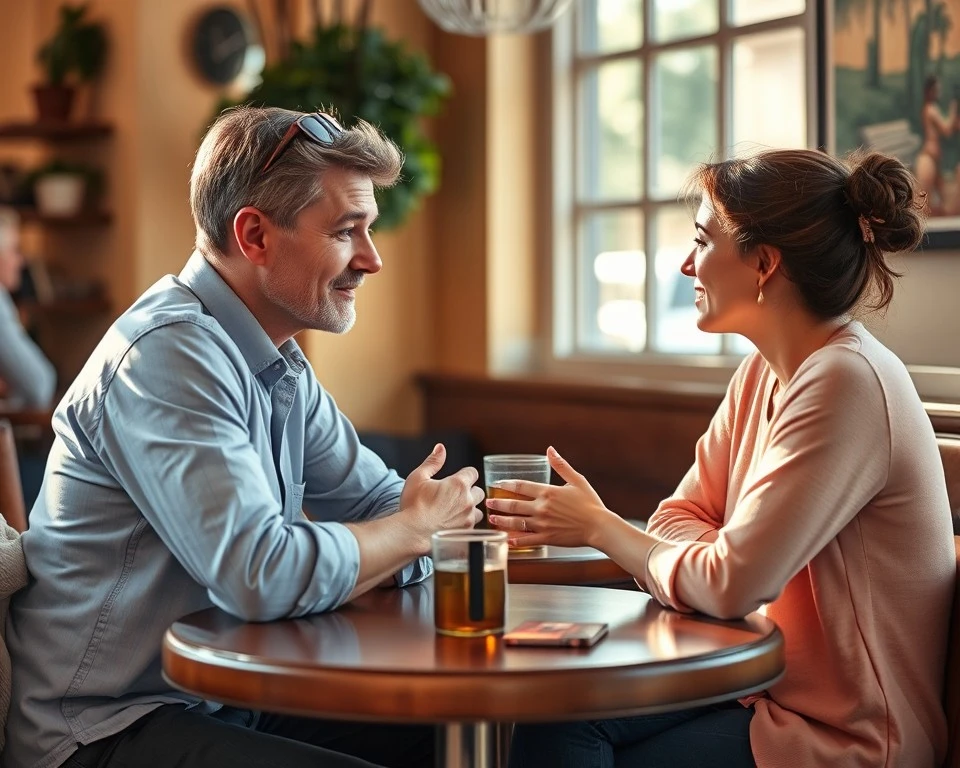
{"points": [[817, 495], [27, 378], [188, 454]]}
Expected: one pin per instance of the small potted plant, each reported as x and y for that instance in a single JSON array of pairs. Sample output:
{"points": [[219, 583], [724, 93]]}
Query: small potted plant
{"points": [[75, 54], [62, 188]]}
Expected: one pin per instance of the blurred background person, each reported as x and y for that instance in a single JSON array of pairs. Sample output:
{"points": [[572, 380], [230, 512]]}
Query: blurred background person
{"points": [[27, 378]]}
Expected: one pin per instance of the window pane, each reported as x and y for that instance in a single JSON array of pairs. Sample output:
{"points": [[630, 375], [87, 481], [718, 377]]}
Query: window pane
{"points": [[752, 11], [611, 25], [771, 63], [676, 19], [612, 269], [676, 320], [683, 115], [611, 151], [740, 345]]}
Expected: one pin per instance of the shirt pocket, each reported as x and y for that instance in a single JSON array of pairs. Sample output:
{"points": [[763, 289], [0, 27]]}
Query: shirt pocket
{"points": [[293, 505]]}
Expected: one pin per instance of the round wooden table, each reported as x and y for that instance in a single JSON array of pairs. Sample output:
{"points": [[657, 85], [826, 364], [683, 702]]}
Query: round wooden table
{"points": [[379, 658]]}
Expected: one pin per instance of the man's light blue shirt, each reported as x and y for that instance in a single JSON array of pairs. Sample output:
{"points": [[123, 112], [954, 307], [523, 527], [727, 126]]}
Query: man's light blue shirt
{"points": [[187, 453]]}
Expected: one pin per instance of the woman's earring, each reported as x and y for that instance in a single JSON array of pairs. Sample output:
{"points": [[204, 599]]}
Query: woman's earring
{"points": [[760, 295]]}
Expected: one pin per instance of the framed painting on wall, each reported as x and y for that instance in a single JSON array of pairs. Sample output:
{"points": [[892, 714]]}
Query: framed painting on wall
{"points": [[889, 79]]}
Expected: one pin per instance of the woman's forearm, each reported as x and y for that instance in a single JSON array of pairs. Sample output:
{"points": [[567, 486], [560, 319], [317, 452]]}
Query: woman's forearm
{"points": [[625, 544]]}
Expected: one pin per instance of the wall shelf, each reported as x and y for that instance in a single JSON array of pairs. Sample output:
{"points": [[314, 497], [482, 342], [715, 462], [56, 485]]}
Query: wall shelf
{"points": [[54, 131], [83, 217], [93, 305]]}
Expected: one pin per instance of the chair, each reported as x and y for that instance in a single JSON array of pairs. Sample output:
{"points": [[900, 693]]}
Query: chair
{"points": [[951, 696], [13, 568], [949, 446], [12, 507], [950, 456]]}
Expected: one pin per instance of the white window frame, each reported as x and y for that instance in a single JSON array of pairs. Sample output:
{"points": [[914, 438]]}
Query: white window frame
{"points": [[560, 291]]}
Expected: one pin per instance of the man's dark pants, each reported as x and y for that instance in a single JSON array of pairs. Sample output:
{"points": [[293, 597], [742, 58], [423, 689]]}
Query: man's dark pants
{"points": [[174, 737]]}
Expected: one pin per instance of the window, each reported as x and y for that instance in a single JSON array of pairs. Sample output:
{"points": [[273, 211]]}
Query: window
{"points": [[644, 91]]}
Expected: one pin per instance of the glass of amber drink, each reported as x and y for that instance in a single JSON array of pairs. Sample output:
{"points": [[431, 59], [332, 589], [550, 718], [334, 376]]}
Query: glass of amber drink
{"points": [[470, 581], [514, 466]]}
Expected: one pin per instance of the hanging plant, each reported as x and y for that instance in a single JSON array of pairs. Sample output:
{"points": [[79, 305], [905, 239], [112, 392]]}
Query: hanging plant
{"points": [[356, 71]]}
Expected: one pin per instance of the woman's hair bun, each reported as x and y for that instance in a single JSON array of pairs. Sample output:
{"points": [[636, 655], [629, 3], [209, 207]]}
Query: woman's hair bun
{"points": [[884, 191]]}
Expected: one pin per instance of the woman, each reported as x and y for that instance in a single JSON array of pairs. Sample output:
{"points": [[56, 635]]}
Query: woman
{"points": [[936, 126], [817, 494]]}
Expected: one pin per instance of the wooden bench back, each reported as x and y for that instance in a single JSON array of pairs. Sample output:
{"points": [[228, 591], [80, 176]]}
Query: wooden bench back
{"points": [[951, 694], [950, 455]]}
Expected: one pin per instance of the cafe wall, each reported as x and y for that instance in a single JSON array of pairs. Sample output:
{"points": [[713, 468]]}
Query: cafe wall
{"points": [[159, 109], [434, 306]]}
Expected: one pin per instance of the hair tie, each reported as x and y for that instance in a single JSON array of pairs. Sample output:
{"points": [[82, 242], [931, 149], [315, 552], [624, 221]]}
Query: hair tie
{"points": [[866, 228]]}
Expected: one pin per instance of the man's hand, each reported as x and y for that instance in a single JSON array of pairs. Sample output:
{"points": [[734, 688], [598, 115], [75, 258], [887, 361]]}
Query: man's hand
{"points": [[431, 505], [388, 543]]}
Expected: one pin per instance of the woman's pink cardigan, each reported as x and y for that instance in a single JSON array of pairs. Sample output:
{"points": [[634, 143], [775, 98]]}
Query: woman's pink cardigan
{"points": [[824, 507]]}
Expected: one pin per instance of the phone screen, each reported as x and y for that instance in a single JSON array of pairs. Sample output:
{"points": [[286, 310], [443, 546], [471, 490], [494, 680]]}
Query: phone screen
{"points": [[556, 633]]}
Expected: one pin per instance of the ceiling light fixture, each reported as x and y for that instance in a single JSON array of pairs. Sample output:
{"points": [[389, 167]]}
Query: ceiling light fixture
{"points": [[485, 17]]}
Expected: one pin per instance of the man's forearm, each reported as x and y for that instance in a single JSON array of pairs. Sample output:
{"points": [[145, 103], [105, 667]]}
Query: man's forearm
{"points": [[386, 546]]}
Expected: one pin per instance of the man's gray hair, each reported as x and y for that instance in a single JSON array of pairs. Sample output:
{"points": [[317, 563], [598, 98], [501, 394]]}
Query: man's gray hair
{"points": [[227, 173]]}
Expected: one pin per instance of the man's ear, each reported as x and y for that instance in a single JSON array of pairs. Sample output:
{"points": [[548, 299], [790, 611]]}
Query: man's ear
{"points": [[768, 262], [252, 231]]}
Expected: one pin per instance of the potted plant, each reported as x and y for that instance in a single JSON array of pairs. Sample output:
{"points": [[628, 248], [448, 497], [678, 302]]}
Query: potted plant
{"points": [[62, 188], [74, 54], [358, 72]]}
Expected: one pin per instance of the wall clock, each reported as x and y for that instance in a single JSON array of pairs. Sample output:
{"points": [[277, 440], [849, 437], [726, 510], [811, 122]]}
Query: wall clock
{"points": [[221, 39]]}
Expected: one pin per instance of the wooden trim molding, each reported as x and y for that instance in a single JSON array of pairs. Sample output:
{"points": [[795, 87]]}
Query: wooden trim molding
{"points": [[634, 442], [945, 417], [633, 439]]}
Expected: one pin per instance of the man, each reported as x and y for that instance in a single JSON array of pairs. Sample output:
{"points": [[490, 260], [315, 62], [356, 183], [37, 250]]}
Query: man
{"points": [[189, 454]]}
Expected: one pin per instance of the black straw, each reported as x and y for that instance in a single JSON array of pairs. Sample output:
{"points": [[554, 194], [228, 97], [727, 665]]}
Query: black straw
{"points": [[475, 577]]}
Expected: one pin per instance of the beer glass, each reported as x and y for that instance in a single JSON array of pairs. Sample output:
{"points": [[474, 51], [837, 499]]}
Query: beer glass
{"points": [[514, 466], [470, 581]]}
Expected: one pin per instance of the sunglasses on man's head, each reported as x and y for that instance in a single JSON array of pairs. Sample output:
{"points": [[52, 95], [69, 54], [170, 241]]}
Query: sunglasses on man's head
{"points": [[317, 126]]}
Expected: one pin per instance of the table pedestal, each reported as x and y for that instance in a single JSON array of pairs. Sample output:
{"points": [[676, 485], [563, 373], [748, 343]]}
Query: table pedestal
{"points": [[473, 745]]}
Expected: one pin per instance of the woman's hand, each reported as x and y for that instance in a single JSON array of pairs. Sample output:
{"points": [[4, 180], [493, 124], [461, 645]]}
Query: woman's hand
{"points": [[563, 515]]}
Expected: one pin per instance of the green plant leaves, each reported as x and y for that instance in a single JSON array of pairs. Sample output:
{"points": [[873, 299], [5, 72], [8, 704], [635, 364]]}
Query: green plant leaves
{"points": [[77, 47], [362, 74]]}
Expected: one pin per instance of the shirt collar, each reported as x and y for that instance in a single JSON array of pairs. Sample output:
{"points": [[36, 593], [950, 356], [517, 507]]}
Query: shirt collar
{"points": [[259, 352]]}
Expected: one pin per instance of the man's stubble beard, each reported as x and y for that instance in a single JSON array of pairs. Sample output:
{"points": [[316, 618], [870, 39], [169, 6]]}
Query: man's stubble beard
{"points": [[333, 314]]}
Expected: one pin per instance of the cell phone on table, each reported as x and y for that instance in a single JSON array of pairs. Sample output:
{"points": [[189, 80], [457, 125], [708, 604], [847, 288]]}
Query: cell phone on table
{"points": [[576, 634]]}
